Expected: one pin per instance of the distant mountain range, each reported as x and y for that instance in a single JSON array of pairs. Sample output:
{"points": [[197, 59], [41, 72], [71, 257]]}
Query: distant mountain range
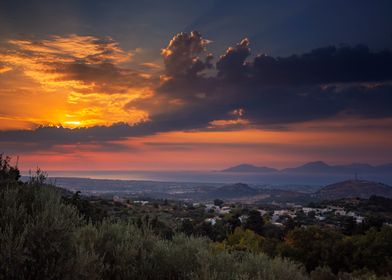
{"points": [[316, 167]]}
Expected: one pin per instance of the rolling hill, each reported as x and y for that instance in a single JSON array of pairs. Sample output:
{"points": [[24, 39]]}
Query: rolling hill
{"points": [[354, 188], [233, 191]]}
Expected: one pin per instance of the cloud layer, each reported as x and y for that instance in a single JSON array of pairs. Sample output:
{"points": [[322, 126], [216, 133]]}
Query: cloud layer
{"points": [[194, 93]]}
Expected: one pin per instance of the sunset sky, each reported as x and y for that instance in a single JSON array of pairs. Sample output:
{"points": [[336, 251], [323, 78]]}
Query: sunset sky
{"points": [[195, 85]]}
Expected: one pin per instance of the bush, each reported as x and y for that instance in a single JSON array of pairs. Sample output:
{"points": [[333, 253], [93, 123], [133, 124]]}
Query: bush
{"points": [[35, 233], [8, 173]]}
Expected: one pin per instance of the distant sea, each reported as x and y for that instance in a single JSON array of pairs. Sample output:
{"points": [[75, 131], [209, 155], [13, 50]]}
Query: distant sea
{"points": [[217, 177], [162, 176]]}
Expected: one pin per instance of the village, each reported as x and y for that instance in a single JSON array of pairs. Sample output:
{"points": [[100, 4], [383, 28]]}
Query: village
{"points": [[329, 216]]}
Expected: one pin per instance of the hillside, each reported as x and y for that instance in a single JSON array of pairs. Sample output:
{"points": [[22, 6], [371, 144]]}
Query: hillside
{"points": [[354, 188], [233, 191]]}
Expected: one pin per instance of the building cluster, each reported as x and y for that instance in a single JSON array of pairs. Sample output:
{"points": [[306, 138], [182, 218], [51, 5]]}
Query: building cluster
{"points": [[280, 216]]}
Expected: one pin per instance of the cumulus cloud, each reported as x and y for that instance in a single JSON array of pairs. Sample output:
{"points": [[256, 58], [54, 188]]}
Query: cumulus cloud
{"points": [[181, 57], [232, 64]]}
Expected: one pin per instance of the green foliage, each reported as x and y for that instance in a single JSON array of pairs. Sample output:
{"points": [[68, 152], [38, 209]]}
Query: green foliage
{"points": [[187, 227], [195, 258], [36, 232], [8, 173], [379, 204], [38, 178], [322, 273], [262, 267], [217, 232], [119, 249], [254, 222], [373, 250], [218, 202], [244, 240], [233, 221], [273, 231], [85, 208], [315, 247]]}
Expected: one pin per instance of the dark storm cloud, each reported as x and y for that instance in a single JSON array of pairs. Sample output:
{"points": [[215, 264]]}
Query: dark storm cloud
{"points": [[319, 66], [232, 64], [324, 65], [322, 83], [296, 104]]}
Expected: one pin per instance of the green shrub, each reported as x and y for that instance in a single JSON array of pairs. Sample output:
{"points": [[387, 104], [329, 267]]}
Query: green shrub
{"points": [[35, 233]]}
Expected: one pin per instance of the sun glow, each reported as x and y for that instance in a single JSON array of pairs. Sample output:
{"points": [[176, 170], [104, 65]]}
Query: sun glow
{"points": [[73, 123], [81, 79]]}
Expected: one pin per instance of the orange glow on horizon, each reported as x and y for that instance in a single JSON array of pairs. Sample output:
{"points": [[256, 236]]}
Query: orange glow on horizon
{"points": [[214, 150]]}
